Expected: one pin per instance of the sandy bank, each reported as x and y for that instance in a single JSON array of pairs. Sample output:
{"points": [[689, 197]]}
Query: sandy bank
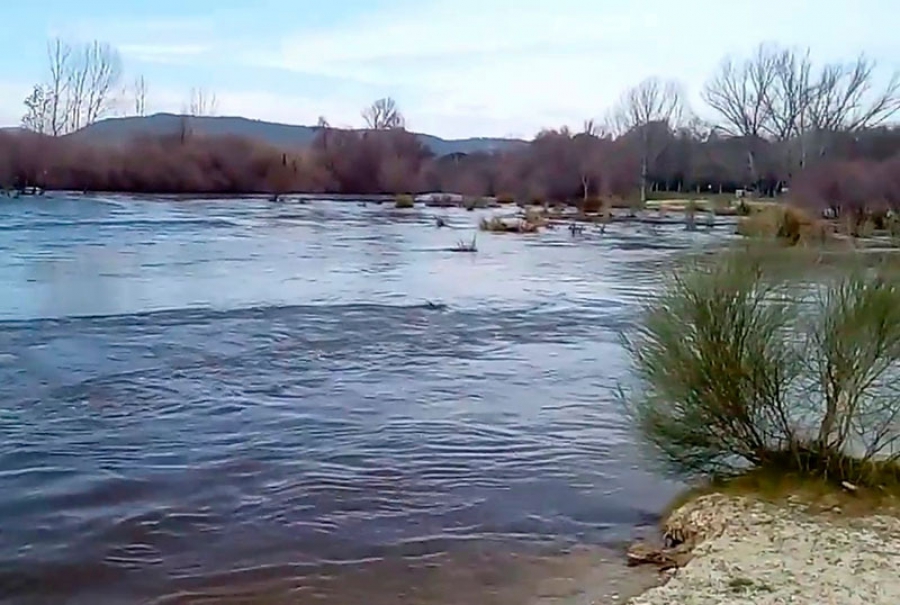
{"points": [[752, 552]]}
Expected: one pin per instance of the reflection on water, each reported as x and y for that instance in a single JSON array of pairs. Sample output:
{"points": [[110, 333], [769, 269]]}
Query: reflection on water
{"points": [[254, 400]]}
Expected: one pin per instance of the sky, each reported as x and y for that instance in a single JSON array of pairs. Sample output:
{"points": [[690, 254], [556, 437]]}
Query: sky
{"points": [[456, 68]]}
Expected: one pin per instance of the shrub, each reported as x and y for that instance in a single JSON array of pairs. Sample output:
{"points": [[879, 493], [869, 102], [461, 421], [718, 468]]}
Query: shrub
{"points": [[591, 205], [404, 201], [739, 368], [535, 216], [497, 224], [464, 246], [788, 224], [473, 203]]}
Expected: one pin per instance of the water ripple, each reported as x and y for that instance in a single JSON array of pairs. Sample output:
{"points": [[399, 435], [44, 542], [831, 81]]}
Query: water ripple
{"points": [[233, 393]]}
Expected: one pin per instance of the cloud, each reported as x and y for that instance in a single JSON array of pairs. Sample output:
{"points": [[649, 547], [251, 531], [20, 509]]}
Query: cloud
{"points": [[525, 65], [533, 63], [165, 41], [464, 67]]}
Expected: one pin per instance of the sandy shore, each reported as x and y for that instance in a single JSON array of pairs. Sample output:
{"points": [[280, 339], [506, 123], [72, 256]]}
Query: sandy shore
{"points": [[753, 552]]}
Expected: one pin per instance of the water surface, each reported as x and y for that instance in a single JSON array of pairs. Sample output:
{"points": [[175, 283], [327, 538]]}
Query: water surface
{"points": [[237, 398]]}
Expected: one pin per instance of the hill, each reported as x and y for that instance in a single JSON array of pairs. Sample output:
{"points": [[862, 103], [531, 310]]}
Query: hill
{"points": [[120, 130]]}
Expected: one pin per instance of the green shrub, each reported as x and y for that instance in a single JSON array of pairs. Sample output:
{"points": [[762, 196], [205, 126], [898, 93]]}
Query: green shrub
{"points": [[739, 368], [404, 201]]}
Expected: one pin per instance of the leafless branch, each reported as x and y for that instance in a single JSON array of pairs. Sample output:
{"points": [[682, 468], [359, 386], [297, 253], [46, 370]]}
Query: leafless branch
{"points": [[80, 87], [384, 114], [650, 110], [202, 103], [140, 96], [738, 92], [59, 54], [846, 98]]}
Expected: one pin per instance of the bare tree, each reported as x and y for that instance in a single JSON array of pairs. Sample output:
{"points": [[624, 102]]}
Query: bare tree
{"points": [[649, 112], [846, 100], [202, 103], [94, 72], [594, 128], [104, 66], [59, 55], [777, 94], [37, 116], [80, 87], [140, 96], [322, 122], [738, 93], [383, 114], [763, 96]]}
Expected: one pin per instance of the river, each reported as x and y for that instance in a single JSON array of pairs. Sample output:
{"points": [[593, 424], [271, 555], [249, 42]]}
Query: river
{"points": [[246, 402]]}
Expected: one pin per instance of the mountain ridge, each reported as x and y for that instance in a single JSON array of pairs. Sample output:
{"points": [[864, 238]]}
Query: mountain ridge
{"points": [[122, 129]]}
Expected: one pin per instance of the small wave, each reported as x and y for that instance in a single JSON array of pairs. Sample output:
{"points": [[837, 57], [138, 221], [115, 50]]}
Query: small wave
{"points": [[206, 313], [349, 396], [125, 224]]}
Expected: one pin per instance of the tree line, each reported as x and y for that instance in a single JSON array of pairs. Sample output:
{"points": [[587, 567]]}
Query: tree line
{"points": [[773, 122]]}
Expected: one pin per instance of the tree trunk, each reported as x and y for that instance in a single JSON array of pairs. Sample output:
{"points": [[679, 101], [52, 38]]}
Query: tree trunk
{"points": [[643, 181]]}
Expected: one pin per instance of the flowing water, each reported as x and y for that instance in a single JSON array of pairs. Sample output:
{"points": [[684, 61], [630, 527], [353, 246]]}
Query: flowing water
{"points": [[244, 402]]}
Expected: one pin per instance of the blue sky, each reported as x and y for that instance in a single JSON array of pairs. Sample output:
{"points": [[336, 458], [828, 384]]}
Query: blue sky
{"points": [[456, 67]]}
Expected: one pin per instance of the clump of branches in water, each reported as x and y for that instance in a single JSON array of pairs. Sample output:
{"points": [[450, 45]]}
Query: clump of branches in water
{"points": [[739, 368], [466, 246]]}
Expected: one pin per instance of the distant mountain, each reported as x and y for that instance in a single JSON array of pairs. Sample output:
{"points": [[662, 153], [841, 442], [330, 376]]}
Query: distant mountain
{"points": [[121, 130]]}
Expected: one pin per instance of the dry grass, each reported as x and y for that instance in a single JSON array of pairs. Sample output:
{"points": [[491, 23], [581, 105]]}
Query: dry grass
{"points": [[816, 493], [536, 217], [464, 246], [592, 205], [498, 224], [788, 224], [719, 205]]}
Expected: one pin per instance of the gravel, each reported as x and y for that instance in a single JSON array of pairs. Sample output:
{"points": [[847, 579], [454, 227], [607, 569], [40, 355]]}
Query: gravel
{"points": [[753, 552]]}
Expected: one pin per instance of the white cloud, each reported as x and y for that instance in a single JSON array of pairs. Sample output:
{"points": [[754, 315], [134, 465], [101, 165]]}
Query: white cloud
{"points": [[477, 67], [163, 41], [529, 64]]}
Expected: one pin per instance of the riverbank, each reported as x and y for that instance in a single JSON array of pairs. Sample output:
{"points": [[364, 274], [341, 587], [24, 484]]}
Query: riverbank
{"points": [[746, 550]]}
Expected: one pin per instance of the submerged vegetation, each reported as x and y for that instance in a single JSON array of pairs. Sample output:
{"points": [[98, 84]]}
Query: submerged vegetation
{"points": [[404, 201], [745, 371], [466, 246], [497, 224], [788, 224]]}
